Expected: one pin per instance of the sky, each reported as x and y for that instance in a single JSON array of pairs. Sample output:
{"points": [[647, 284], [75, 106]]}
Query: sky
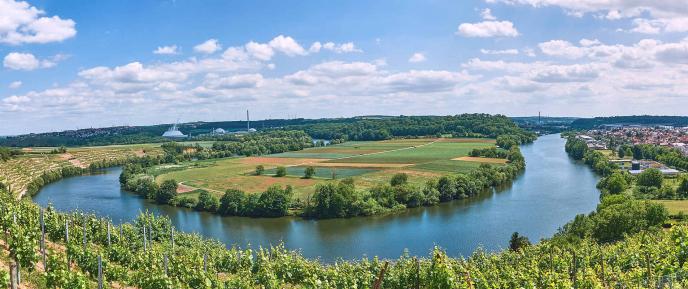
{"points": [[79, 64]]}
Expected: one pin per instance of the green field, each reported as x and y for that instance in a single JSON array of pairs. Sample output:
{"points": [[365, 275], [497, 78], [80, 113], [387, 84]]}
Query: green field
{"points": [[325, 172], [370, 163], [675, 206]]}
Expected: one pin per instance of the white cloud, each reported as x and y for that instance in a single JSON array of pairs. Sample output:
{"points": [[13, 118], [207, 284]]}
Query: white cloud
{"points": [[417, 57], [566, 73], [287, 45], [486, 14], [661, 16], [561, 48], [15, 84], [166, 50], [499, 52], [646, 26], [27, 61], [488, 29], [210, 46], [315, 47], [259, 51], [22, 23], [348, 47], [235, 81]]}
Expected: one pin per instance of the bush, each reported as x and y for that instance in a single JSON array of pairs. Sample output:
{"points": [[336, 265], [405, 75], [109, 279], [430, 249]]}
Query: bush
{"points": [[167, 191], [184, 201], [650, 178], [399, 179], [281, 172], [309, 173], [233, 203], [259, 170], [207, 202]]}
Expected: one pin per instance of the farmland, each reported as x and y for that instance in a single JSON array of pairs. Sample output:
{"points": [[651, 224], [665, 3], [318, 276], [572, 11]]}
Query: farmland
{"points": [[369, 163], [17, 173]]}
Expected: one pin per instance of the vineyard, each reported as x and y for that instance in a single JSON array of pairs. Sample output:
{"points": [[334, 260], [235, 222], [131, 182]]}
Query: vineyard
{"points": [[20, 174], [56, 250]]}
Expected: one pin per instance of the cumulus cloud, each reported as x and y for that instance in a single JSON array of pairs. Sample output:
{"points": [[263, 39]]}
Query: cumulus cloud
{"points": [[287, 45], [15, 84], [166, 50], [210, 46], [27, 61], [260, 51], [417, 57], [488, 29], [22, 23], [650, 16]]}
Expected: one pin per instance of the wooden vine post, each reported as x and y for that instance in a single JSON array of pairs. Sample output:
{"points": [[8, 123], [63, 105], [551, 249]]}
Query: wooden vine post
{"points": [[380, 276], [417, 273], [100, 272], [45, 264]]}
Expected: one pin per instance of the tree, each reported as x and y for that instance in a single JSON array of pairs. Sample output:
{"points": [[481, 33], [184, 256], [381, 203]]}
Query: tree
{"points": [[281, 172], [259, 170], [517, 242], [621, 152], [207, 202], [650, 178], [399, 179], [274, 202], [682, 189], [167, 191], [233, 203], [614, 184], [309, 173]]}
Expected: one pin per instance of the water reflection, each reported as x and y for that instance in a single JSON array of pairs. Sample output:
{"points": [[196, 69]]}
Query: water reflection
{"points": [[550, 192]]}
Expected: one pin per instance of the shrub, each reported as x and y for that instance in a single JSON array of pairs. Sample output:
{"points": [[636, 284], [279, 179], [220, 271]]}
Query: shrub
{"points": [[259, 170], [399, 179], [281, 172], [309, 173]]}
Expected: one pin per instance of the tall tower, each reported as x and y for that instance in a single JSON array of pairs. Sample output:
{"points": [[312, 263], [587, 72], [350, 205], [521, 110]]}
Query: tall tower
{"points": [[248, 122]]}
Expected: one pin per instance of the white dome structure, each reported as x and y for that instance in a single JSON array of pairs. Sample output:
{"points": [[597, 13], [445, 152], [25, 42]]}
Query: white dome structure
{"points": [[173, 132]]}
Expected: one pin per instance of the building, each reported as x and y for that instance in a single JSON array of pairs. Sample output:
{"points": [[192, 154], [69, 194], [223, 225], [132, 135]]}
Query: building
{"points": [[174, 133]]}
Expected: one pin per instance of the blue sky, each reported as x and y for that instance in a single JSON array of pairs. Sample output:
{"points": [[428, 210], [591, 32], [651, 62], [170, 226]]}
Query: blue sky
{"points": [[76, 64]]}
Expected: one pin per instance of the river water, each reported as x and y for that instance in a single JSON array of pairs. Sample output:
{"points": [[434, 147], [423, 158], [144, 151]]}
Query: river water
{"points": [[551, 191]]}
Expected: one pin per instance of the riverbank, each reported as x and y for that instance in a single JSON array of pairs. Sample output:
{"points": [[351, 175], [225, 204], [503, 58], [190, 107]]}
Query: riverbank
{"points": [[536, 204]]}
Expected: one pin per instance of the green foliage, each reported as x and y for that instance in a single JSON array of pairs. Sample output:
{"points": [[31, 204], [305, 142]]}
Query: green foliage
{"points": [[167, 191], [616, 183], [650, 178], [7, 153], [280, 172], [207, 202], [399, 179], [233, 203], [518, 242], [616, 216], [259, 170], [309, 172], [576, 148]]}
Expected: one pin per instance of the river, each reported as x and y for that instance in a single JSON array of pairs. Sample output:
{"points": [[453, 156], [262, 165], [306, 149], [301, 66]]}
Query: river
{"points": [[551, 191]]}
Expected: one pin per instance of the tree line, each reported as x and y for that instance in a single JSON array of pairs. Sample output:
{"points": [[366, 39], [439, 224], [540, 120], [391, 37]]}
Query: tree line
{"points": [[344, 200], [464, 125]]}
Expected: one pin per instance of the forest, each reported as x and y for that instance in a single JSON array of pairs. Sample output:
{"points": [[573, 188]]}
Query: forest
{"points": [[354, 128]]}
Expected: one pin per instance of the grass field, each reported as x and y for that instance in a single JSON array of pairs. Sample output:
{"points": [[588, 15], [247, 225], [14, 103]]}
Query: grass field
{"points": [[675, 206], [370, 163]]}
